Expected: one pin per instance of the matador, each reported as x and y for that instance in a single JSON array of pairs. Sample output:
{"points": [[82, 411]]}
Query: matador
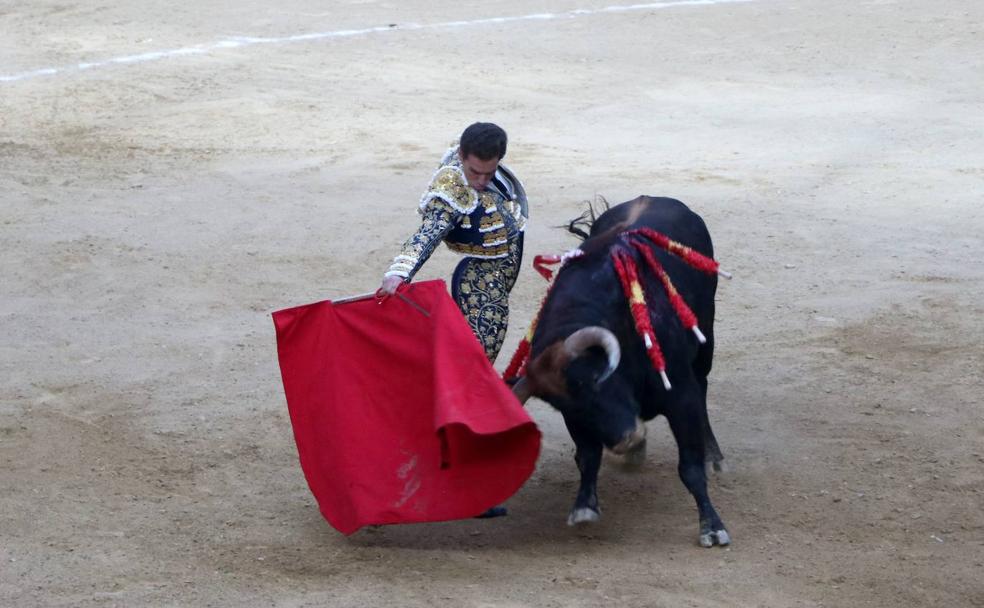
{"points": [[478, 208]]}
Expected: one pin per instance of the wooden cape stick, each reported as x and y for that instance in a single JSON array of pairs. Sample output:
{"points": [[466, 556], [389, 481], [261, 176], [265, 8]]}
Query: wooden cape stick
{"points": [[366, 296], [361, 296]]}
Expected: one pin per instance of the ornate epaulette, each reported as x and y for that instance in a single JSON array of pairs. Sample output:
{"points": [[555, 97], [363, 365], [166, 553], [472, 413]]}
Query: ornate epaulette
{"points": [[449, 185]]}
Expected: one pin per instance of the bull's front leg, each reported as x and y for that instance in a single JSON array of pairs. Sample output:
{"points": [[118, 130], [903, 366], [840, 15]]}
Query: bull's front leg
{"points": [[694, 476], [588, 459], [687, 426]]}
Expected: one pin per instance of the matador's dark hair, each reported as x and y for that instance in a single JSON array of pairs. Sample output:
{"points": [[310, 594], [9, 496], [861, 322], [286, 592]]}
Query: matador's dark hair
{"points": [[484, 140]]}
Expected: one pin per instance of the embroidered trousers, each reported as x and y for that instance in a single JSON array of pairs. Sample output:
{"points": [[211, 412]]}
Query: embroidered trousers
{"points": [[481, 288]]}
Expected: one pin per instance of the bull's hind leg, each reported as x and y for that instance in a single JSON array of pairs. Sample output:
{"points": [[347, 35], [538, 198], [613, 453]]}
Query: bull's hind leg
{"points": [[714, 459], [588, 459], [686, 422], [636, 456]]}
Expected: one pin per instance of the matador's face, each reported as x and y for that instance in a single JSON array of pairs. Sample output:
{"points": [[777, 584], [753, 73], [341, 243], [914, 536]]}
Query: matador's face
{"points": [[479, 172]]}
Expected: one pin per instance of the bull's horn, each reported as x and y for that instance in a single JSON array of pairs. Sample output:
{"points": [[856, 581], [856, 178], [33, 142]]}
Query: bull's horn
{"points": [[522, 390], [586, 337]]}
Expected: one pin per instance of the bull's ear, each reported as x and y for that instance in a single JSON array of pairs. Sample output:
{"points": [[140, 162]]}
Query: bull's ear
{"points": [[545, 372]]}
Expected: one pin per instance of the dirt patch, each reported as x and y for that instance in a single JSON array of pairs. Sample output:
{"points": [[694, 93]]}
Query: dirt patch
{"points": [[154, 213]]}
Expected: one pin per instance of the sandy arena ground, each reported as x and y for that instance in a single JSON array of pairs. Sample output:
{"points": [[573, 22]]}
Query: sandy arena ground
{"points": [[155, 209]]}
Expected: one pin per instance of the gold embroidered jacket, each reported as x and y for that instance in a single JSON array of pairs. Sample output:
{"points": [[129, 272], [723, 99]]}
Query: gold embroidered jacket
{"points": [[472, 223]]}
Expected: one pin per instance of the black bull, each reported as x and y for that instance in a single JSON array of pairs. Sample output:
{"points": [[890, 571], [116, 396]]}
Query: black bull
{"points": [[588, 361]]}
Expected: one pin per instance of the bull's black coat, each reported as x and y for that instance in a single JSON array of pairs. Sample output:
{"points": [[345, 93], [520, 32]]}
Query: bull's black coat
{"points": [[587, 293]]}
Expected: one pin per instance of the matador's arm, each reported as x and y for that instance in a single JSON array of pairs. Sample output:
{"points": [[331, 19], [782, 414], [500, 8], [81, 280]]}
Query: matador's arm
{"points": [[439, 218]]}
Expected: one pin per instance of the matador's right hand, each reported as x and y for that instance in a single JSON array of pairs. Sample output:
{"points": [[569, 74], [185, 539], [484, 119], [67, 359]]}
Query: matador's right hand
{"points": [[390, 284]]}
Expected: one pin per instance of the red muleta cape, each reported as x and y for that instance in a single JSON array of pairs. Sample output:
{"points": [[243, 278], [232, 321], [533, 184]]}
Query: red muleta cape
{"points": [[397, 414]]}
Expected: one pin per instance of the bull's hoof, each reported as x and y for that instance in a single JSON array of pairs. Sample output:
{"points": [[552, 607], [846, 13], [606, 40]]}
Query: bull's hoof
{"points": [[717, 466], [636, 457], [715, 537], [583, 515]]}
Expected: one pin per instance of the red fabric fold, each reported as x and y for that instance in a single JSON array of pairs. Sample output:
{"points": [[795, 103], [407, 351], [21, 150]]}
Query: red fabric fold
{"points": [[398, 416]]}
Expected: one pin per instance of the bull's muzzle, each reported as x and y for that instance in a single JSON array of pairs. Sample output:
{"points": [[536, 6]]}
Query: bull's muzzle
{"points": [[631, 439]]}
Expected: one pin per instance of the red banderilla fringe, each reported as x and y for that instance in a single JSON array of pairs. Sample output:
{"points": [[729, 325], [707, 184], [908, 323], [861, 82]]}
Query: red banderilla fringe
{"points": [[628, 276], [517, 365], [684, 312], [697, 260], [541, 262]]}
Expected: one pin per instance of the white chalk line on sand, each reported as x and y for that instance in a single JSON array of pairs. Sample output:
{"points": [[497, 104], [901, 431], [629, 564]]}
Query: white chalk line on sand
{"points": [[243, 41]]}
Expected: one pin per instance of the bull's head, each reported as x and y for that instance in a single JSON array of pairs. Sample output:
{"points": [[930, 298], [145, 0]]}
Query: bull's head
{"points": [[575, 377]]}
